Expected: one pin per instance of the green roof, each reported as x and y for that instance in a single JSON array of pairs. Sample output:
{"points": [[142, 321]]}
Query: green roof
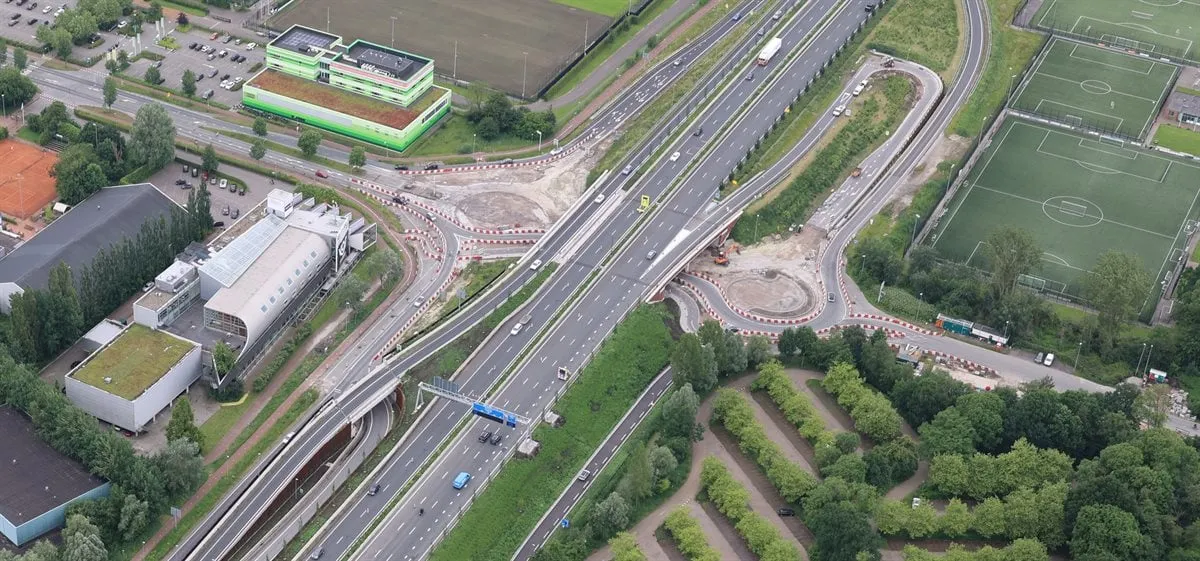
{"points": [[135, 360]]}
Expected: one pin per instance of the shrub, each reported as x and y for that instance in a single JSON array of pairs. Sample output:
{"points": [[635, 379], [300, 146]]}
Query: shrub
{"points": [[735, 413], [732, 500], [689, 537], [872, 413]]}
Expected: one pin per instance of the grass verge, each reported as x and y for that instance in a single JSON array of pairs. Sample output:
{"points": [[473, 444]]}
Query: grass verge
{"points": [[923, 31], [503, 514], [282, 149], [1012, 49], [1178, 139]]}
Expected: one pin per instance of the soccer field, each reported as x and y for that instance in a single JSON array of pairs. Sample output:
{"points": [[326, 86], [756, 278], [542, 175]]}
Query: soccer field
{"points": [[1170, 27], [1101, 89], [1078, 197]]}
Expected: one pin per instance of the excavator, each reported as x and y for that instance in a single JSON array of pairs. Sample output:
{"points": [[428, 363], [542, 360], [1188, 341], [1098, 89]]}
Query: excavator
{"points": [[722, 257]]}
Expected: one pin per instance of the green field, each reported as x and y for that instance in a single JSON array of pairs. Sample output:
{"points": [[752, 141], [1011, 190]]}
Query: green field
{"points": [[1078, 197], [1100, 89], [1178, 139], [610, 8], [1170, 27]]}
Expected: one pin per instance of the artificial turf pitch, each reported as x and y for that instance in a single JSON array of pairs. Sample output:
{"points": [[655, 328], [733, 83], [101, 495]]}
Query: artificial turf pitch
{"points": [[1169, 27], [1078, 196], [1102, 89]]}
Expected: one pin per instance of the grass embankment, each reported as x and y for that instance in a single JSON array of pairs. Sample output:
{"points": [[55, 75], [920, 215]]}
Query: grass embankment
{"points": [[455, 135], [799, 119], [503, 514], [923, 31], [1011, 50], [881, 110], [1178, 139], [641, 125]]}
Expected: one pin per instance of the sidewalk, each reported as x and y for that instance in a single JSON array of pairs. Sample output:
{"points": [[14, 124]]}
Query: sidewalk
{"points": [[222, 447]]}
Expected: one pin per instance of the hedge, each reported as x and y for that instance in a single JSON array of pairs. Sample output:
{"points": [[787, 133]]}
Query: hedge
{"points": [[1022, 514], [689, 537], [733, 501], [982, 475], [872, 413], [1019, 550], [735, 413], [796, 407]]}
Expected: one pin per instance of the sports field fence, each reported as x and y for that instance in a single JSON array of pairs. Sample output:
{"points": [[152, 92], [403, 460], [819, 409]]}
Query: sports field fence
{"points": [[1106, 40]]}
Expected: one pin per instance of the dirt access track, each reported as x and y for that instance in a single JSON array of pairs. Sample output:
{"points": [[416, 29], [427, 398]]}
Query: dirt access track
{"points": [[776, 278]]}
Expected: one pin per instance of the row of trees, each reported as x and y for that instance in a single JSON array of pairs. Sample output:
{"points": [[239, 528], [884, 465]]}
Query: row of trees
{"points": [[1022, 514], [624, 548], [980, 475], [872, 413], [152, 481], [1018, 550], [737, 416], [733, 501], [689, 537], [16, 88], [700, 359], [836, 453]]}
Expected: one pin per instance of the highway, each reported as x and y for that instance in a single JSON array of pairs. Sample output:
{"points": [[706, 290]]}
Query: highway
{"points": [[268, 478], [616, 290]]}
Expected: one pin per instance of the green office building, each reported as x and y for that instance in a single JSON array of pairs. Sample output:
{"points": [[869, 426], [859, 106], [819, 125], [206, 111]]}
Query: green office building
{"points": [[365, 91]]}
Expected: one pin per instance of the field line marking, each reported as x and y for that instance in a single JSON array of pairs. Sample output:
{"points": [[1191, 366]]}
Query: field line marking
{"points": [[1114, 222], [1161, 96], [971, 182], [1140, 154], [1188, 42], [1146, 72], [1049, 10], [1110, 88], [1120, 120], [972, 255], [1095, 149], [1171, 250]]}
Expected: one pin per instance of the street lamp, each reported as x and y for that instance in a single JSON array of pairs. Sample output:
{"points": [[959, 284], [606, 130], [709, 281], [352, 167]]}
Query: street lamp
{"points": [[473, 135], [914, 232], [393, 31], [3, 105], [862, 262], [756, 219], [539, 141], [1077, 349], [524, 70], [1006, 329]]}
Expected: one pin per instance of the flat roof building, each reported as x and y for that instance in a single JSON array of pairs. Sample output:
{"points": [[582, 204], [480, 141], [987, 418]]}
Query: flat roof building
{"points": [[105, 218], [366, 91], [1183, 107], [37, 483], [135, 376]]}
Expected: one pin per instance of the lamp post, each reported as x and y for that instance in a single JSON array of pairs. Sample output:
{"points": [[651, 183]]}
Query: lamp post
{"points": [[473, 135], [524, 71], [3, 105], [1006, 322], [756, 226], [539, 142], [1078, 348], [914, 232], [393, 31]]}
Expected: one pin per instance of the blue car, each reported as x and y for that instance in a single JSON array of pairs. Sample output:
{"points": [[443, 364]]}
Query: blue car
{"points": [[461, 480]]}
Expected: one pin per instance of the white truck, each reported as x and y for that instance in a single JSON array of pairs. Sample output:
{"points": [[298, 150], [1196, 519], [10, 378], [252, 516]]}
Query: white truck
{"points": [[770, 50]]}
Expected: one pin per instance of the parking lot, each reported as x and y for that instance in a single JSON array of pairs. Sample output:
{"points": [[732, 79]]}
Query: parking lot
{"points": [[257, 187], [209, 73], [32, 13]]}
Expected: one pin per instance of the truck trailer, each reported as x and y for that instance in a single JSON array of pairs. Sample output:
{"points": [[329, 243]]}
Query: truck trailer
{"points": [[769, 51]]}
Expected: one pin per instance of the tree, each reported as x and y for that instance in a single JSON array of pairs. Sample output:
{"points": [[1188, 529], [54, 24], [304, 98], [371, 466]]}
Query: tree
{"points": [[135, 514], [850, 467], [260, 126], [63, 320], [223, 358], [1116, 287], [153, 77], [155, 12], [350, 292], [382, 263], [78, 174], [80, 24], [949, 474], [662, 462], [152, 137], [919, 398], [358, 157], [308, 142], [1011, 252], [679, 412], [841, 532], [208, 160], [1106, 532], [985, 411], [610, 516], [180, 466], [81, 541], [624, 548], [258, 150], [890, 463], [949, 433], [989, 517], [189, 83], [1153, 404], [638, 481], [16, 87], [758, 350], [183, 422], [798, 341], [956, 519], [110, 91], [182, 18], [20, 58], [3, 51], [693, 363]]}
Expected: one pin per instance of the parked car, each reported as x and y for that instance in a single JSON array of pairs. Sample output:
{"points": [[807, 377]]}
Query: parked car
{"points": [[224, 182], [235, 213], [225, 211], [785, 512], [1038, 359], [242, 191], [121, 24], [212, 73], [218, 224], [1049, 359]]}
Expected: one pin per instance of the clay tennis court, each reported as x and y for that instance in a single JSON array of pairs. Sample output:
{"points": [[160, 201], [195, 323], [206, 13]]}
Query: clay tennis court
{"points": [[25, 183]]}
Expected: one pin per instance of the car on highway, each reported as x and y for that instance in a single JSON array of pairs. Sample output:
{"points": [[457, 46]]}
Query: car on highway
{"points": [[674, 156], [599, 198], [496, 438], [536, 263], [837, 111], [831, 297], [627, 169], [317, 553], [698, 132], [584, 475], [652, 254], [400, 200], [374, 490], [461, 480], [859, 88], [749, 76], [485, 436], [400, 167], [516, 330], [322, 174]]}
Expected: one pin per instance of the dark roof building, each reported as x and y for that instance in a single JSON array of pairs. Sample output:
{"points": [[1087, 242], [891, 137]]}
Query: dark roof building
{"points": [[107, 217], [37, 483], [1183, 107]]}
